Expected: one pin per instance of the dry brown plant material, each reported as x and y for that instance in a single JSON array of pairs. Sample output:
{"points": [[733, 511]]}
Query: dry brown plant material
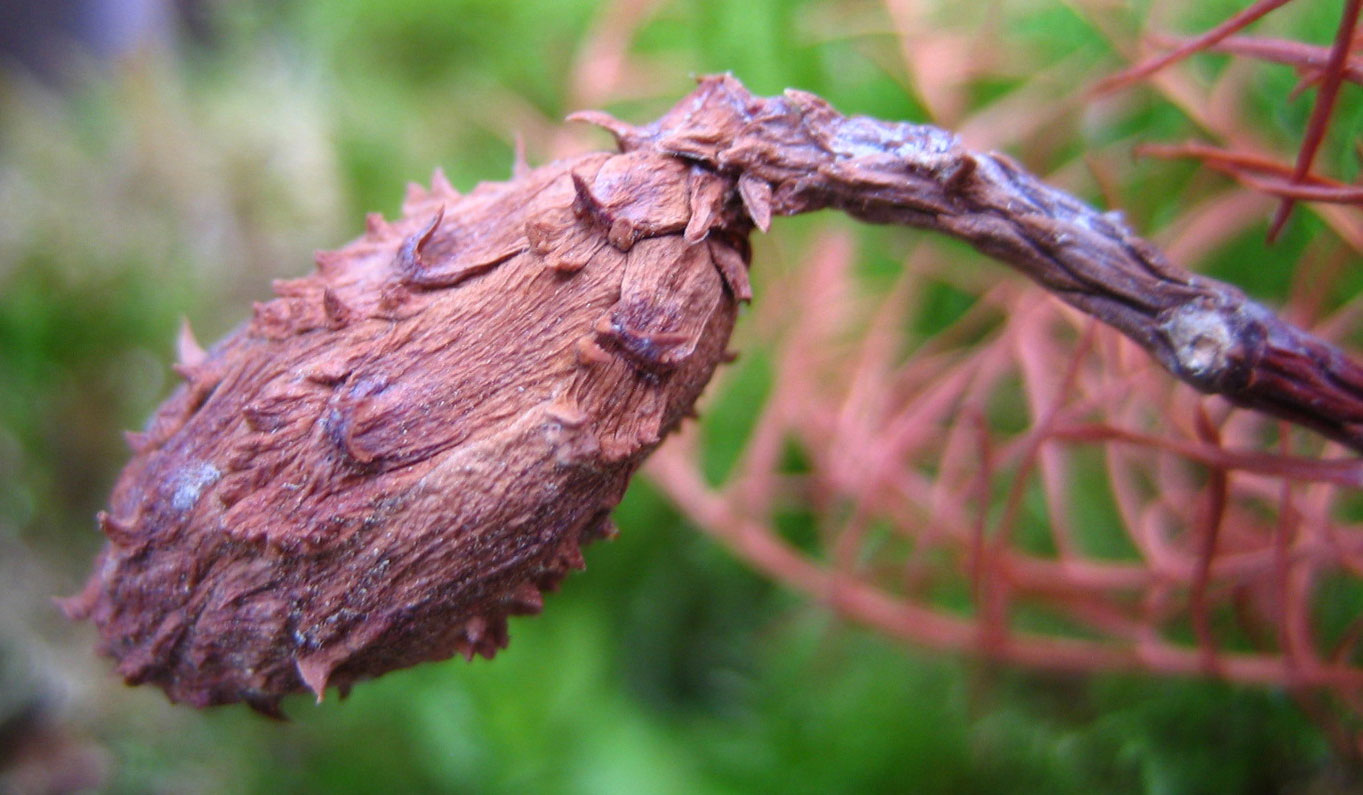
{"points": [[411, 444]]}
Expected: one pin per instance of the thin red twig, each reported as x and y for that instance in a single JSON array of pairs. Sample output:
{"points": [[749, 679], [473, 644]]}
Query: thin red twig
{"points": [[1260, 172], [1324, 107], [1308, 58], [1225, 29]]}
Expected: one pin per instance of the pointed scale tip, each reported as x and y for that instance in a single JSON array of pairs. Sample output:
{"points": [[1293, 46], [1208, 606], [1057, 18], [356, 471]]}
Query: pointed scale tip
{"points": [[137, 441], [526, 599], [441, 184], [267, 706], [120, 531], [627, 136], [756, 195], [314, 670], [408, 262], [187, 348], [520, 166], [416, 196], [375, 226], [79, 606], [327, 260]]}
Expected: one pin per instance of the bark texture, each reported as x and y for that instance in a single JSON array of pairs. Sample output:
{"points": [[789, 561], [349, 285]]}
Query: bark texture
{"points": [[409, 445]]}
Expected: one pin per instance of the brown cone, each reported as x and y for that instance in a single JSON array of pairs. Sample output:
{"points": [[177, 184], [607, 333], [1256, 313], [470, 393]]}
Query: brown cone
{"points": [[409, 445]]}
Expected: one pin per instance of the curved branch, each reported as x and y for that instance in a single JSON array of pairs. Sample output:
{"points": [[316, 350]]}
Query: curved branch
{"points": [[794, 154]]}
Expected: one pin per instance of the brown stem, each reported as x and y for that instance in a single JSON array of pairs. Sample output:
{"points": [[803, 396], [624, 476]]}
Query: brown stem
{"points": [[794, 154]]}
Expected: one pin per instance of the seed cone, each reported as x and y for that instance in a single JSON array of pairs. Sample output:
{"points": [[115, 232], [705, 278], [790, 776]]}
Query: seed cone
{"points": [[409, 445]]}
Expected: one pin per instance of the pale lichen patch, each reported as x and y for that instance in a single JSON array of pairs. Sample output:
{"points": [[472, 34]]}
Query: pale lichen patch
{"points": [[189, 483], [1201, 338]]}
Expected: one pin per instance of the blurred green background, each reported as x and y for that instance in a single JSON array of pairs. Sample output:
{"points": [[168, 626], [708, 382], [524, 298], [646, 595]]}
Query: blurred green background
{"points": [[174, 172]]}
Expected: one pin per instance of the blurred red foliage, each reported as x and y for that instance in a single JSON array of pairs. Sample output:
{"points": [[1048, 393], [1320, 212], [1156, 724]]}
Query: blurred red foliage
{"points": [[953, 491], [1325, 68], [1028, 485]]}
